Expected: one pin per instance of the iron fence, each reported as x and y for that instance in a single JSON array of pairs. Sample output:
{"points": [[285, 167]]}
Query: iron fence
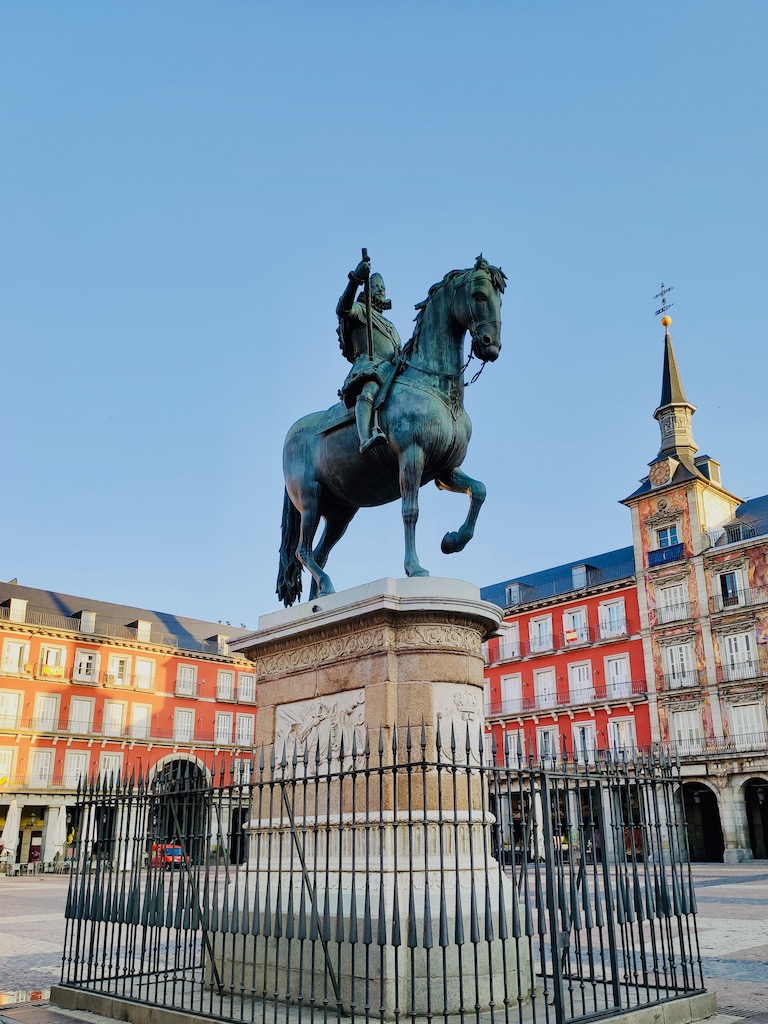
{"points": [[395, 876]]}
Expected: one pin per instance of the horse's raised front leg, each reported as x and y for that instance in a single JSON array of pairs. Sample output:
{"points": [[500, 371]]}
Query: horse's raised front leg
{"points": [[336, 522], [310, 519], [460, 483], [411, 471]]}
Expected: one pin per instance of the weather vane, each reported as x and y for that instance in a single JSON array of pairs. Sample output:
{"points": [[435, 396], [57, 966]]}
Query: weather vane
{"points": [[663, 296]]}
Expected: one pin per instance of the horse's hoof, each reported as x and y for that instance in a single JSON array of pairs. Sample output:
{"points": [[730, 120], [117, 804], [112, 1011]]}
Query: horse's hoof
{"points": [[451, 543], [417, 572]]}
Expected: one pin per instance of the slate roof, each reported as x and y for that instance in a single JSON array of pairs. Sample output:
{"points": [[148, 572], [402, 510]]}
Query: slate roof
{"points": [[608, 566], [188, 632]]}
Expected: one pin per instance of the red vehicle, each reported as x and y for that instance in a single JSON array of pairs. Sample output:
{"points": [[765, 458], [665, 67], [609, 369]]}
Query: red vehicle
{"points": [[167, 856]]}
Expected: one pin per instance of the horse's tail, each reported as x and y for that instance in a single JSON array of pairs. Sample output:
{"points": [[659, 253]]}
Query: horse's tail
{"points": [[289, 573]]}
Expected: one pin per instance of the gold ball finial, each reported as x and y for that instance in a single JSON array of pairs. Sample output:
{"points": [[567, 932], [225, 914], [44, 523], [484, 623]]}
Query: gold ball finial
{"points": [[666, 321]]}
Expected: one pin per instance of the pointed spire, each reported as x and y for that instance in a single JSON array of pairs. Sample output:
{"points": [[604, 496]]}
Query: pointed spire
{"points": [[671, 385], [674, 411]]}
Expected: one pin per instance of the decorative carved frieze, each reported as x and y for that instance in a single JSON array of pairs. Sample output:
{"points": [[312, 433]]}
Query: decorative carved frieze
{"points": [[664, 515], [321, 722]]}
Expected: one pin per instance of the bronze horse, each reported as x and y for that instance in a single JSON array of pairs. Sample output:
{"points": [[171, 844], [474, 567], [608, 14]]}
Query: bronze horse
{"points": [[427, 430]]}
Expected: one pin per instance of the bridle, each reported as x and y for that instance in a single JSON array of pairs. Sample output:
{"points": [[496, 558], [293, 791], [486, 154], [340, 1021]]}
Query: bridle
{"points": [[473, 327]]}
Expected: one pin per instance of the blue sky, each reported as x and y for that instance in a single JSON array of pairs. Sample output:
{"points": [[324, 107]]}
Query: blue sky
{"points": [[185, 186]]}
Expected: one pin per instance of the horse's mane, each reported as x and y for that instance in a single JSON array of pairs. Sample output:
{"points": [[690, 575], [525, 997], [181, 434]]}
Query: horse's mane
{"points": [[498, 280]]}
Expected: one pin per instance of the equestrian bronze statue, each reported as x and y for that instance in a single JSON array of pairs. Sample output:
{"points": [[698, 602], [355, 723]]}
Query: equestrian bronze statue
{"points": [[401, 423]]}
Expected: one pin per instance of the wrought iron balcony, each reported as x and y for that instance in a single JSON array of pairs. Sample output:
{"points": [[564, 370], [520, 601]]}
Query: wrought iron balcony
{"points": [[741, 599], [661, 556], [736, 533], [682, 680], [662, 615], [698, 746], [749, 668], [599, 693]]}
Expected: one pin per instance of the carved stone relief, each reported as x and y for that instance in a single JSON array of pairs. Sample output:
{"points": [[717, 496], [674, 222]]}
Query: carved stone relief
{"points": [[321, 721], [458, 709]]}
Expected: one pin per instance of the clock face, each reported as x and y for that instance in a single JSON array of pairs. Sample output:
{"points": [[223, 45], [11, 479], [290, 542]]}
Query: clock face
{"points": [[659, 473]]}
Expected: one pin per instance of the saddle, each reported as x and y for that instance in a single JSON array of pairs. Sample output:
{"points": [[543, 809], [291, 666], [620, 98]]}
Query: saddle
{"points": [[339, 415]]}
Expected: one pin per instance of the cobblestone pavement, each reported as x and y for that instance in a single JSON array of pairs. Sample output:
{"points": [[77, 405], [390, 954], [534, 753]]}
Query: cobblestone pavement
{"points": [[732, 927]]}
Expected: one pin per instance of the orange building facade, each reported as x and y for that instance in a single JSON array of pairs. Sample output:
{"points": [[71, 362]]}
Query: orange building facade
{"points": [[92, 688]]}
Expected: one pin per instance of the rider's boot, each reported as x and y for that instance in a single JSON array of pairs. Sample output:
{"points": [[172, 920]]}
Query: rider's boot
{"points": [[369, 434]]}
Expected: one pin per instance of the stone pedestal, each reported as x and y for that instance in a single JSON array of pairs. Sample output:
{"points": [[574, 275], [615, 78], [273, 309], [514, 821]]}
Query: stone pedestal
{"points": [[370, 846]]}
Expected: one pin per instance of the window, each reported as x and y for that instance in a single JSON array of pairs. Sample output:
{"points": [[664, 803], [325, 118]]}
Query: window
{"points": [[580, 682], [75, 768], [544, 687], [729, 585], [225, 685], [548, 743], [667, 537], [612, 619], [223, 729], [512, 694], [41, 768], [575, 629], [487, 695], [17, 611], [183, 725], [514, 748], [680, 666], [145, 673], [672, 603], [81, 715], [621, 733], [685, 730], [584, 743], [15, 656], [6, 764], [246, 688], [244, 730], [186, 680], [86, 667], [540, 634], [509, 641], [141, 721], [118, 670], [46, 715], [52, 661], [110, 766], [737, 652], [9, 710], [747, 725], [241, 771], [617, 679], [113, 721]]}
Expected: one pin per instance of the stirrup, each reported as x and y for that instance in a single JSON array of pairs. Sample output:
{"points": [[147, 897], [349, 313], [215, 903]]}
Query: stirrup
{"points": [[378, 437]]}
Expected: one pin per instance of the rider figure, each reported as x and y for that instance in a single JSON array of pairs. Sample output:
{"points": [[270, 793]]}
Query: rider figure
{"points": [[365, 378]]}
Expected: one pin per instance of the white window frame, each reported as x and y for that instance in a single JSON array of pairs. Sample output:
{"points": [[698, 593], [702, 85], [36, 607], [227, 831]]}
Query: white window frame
{"points": [[118, 670], [509, 641], [686, 731], [615, 688], [110, 766], [186, 680], [10, 708], [143, 680], [540, 636], [751, 715], [113, 718], [77, 724], [76, 767], [53, 661], [583, 737], [581, 688], [737, 599], [668, 536], [548, 743], [680, 665], [86, 668], [511, 687], [575, 626], [547, 698], [222, 735], [40, 770], [141, 721], [672, 603], [48, 720], [244, 730], [15, 657], [246, 687], [225, 684], [514, 738], [738, 655], [612, 625], [622, 736], [183, 718], [7, 764]]}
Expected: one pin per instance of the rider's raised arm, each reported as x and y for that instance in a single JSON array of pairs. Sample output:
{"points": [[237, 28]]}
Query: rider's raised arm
{"points": [[357, 277]]}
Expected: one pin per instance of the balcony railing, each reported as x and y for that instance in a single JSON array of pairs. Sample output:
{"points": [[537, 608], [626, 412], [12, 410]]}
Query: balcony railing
{"points": [[749, 668], [119, 731], [697, 746], [661, 556], [682, 680], [599, 693], [735, 533], [512, 650], [662, 615], [741, 599]]}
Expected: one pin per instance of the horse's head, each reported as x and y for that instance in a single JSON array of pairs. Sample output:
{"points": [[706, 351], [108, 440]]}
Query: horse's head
{"points": [[477, 307]]}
